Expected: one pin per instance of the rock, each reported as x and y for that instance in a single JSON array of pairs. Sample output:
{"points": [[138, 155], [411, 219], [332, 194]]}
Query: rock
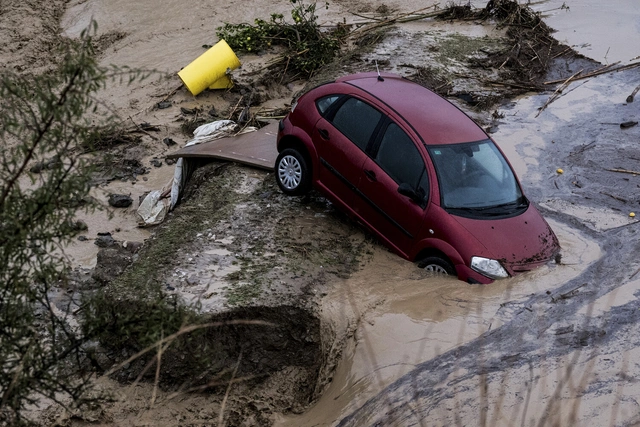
{"points": [[82, 238], [170, 162], [111, 263], [46, 164], [132, 247], [120, 200], [162, 105], [156, 163], [79, 225], [192, 281], [37, 168], [149, 127], [188, 111], [104, 241], [170, 142]]}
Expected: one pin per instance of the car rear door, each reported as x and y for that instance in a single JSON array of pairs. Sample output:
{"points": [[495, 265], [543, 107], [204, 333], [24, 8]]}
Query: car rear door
{"points": [[341, 139], [395, 161]]}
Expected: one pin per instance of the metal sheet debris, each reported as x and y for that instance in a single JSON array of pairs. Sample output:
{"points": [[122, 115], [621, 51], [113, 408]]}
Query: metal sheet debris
{"points": [[254, 148]]}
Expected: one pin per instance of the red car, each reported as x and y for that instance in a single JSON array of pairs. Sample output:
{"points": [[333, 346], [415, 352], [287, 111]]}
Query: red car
{"points": [[416, 171]]}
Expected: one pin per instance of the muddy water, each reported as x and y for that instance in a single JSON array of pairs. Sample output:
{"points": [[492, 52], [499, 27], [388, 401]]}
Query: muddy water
{"points": [[122, 223], [407, 318], [605, 31]]}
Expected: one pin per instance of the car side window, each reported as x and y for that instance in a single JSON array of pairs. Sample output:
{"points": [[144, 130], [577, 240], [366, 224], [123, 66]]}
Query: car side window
{"points": [[400, 158], [325, 102], [357, 120]]}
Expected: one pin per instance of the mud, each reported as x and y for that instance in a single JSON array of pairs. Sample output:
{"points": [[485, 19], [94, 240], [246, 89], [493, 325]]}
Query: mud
{"points": [[363, 337]]}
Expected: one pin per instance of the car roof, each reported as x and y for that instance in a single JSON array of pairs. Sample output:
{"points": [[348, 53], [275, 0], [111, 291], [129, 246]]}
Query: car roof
{"points": [[434, 118]]}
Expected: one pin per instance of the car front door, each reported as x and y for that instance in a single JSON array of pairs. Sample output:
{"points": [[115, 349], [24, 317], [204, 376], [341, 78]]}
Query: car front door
{"points": [[342, 138], [395, 166]]}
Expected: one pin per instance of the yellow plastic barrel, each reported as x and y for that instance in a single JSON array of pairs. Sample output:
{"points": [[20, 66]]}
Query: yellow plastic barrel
{"points": [[209, 70]]}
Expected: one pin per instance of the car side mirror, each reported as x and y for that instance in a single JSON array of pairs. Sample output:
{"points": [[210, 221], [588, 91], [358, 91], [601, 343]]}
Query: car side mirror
{"points": [[418, 197], [406, 190]]}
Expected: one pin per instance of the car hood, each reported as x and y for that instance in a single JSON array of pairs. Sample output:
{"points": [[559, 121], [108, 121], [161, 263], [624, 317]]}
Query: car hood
{"points": [[520, 243]]}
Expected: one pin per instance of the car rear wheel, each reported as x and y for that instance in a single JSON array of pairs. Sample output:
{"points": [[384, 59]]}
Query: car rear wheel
{"points": [[292, 173], [437, 265]]}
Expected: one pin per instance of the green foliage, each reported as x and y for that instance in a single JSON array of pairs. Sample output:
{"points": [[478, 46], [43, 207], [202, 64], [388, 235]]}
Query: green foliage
{"points": [[43, 120], [307, 48]]}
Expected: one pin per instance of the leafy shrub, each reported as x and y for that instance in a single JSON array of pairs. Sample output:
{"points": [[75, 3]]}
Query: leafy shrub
{"points": [[307, 48]]}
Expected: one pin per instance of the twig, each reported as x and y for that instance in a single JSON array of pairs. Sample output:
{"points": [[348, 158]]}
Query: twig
{"points": [[154, 394], [391, 21], [614, 197], [603, 70], [623, 171], [366, 17], [568, 294], [236, 107], [630, 97], [557, 92], [583, 148], [633, 275], [516, 85], [226, 393], [562, 53], [142, 130], [173, 92]]}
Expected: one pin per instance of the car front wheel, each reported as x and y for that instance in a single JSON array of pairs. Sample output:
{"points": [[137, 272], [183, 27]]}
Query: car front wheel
{"points": [[437, 265], [292, 173]]}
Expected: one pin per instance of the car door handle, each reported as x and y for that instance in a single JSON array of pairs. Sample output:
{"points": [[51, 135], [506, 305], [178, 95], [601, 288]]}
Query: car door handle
{"points": [[324, 133], [371, 175]]}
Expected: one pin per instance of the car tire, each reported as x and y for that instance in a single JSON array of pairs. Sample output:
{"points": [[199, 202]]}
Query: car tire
{"points": [[437, 265], [292, 173]]}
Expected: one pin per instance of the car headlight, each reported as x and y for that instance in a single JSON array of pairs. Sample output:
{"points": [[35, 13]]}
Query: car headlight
{"points": [[489, 267]]}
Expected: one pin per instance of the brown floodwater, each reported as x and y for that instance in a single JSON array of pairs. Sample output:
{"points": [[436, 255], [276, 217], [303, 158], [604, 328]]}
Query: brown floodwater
{"points": [[407, 318], [122, 223]]}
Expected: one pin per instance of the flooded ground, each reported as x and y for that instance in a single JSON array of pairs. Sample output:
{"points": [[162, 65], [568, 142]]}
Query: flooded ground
{"points": [[553, 346], [531, 377], [406, 319]]}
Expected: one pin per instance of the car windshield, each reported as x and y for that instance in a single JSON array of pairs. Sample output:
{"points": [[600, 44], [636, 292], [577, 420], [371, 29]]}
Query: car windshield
{"points": [[475, 177]]}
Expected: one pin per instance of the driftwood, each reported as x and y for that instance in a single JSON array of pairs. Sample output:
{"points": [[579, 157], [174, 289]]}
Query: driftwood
{"points": [[624, 171], [405, 17], [630, 97], [138, 128], [582, 149], [620, 199], [558, 91], [604, 70]]}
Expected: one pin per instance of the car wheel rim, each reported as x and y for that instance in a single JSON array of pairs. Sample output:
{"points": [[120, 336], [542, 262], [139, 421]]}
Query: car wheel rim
{"points": [[290, 172], [434, 268]]}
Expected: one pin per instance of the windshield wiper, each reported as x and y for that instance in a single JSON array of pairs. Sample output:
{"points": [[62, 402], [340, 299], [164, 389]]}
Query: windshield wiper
{"points": [[495, 209], [475, 210], [510, 206]]}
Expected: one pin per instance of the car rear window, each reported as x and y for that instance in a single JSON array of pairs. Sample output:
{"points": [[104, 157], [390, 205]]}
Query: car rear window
{"points": [[357, 120]]}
